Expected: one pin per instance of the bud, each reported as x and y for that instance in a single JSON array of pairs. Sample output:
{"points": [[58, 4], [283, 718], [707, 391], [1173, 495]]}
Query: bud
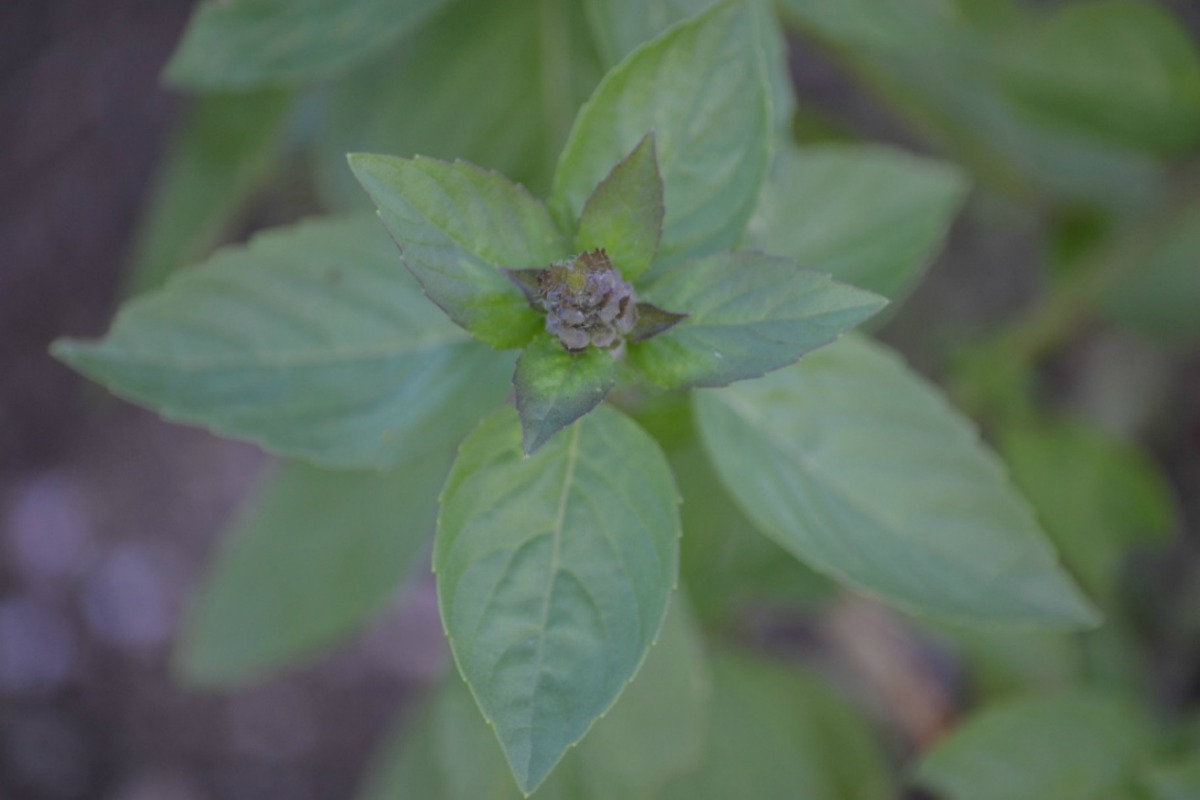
{"points": [[587, 302]]}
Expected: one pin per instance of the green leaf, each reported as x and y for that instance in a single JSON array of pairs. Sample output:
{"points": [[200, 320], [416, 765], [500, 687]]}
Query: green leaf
{"points": [[701, 88], [620, 26], [656, 731], [510, 77], [1070, 747], [747, 314], [624, 214], [1095, 495], [871, 216], [1123, 71], [227, 147], [779, 734], [1162, 297], [553, 575], [861, 469], [457, 226], [555, 388], [310, 561], [238, 44], [312, 341]]}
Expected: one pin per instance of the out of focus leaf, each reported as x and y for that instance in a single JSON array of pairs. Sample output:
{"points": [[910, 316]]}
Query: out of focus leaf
{"points": [[316, 555], [238, 44], [1096, 496], [1162, 297], [781, 734], [869, 216], [1075, 746], [493, 83], [227, 146], [1118, 70]]}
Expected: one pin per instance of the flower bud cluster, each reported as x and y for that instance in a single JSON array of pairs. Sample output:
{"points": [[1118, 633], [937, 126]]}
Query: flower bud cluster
{"points": [[587, 302]]}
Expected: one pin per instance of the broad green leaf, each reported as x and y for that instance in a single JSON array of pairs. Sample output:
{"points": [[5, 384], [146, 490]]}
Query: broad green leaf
{"points": [[553, 576], [493, 83], [862, 470], [1074, 746], [237, 44], [1095, 495], [1124, 71], [224, 151], [313, 557], [457, 226], [624, 214], [701, 88], [1003, 662], [656, 731], [312, 341], [780, 734], [554, 388], [1162, 298], [620, 26], [747, 314], [868, 215]]}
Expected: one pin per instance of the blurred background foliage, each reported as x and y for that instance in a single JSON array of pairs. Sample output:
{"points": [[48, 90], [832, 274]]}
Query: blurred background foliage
{"points": [[1063, 313]]}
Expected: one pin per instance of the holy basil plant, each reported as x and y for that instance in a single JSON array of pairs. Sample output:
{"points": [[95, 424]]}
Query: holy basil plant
{"points": [[558, 531]]}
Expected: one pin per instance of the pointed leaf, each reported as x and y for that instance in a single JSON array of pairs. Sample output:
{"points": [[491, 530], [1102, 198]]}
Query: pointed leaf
{"points": [[246, 43], [701, 88], [655, 731], [867, 215], [555, 388], [554, 573], [1075, 746], [652, 321], [317, 553], [456, 226], [747, 314], [624, 215], [312, 341], [861, 469]]}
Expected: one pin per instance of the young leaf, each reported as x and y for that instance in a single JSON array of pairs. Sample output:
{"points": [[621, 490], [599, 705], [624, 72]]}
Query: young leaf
{"points": [[555, 388], [226, 150], [553, 576], [700, 87], [861, 469], [457, 226], [747, 314], [624, 215], [249, 43], [317, 554], [312, 341], [779, 733], [1075, 746], [870, 216]]}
